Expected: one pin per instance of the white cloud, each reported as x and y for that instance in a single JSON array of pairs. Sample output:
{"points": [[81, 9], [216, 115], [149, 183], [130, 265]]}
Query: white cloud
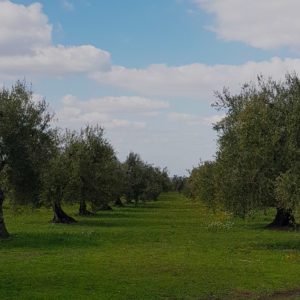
{"points": [[194, 120], [55, 61], [197, 80], [22, 28], [174, 116], [102, 111], [68, 5], [123, 104], [73, 117], [266, 24], [26, 47]]}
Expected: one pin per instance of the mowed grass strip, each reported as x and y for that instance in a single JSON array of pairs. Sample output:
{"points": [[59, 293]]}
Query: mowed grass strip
{"points": [[169, 249]]}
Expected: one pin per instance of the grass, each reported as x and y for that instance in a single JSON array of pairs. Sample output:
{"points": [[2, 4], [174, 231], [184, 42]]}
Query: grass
{"points": [[170, 249]]}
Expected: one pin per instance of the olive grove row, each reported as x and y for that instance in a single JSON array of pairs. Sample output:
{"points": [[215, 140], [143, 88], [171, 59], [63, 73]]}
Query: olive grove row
{"points": [[43, 166]]}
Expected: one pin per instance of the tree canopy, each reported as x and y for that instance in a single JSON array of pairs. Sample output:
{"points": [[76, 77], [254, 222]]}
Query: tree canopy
{"points": [[25, 142], [40, 165], [257, 162]]}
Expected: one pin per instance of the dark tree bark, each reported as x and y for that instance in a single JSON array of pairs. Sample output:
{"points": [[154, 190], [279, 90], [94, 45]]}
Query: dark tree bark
{"points": [[105, 207], [128, 200], [118, 202], [83, 210], [3, 232], [283, 218], [60, 216]]}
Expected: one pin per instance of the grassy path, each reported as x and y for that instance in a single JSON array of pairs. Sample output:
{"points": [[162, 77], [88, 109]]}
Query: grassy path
{"points": [[171, 249]]}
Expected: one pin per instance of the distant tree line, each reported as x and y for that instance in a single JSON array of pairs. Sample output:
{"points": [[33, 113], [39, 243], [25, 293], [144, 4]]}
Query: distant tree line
{"points": [[257, 164], [43, 166]]}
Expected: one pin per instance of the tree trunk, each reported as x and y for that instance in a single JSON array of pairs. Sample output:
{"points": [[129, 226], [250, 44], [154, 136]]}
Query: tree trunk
{"points": [[284, 218], [136, 202], [82, 209], [60, 216], [128, 200], [105, 206], [3, 232], [118, 202]]}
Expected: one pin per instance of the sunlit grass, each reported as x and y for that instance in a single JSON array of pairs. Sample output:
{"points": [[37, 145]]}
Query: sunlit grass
{"points": [[170, 249]]}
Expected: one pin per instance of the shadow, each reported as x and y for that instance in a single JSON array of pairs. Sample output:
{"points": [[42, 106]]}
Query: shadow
{"points": [[99, 223], [129, 216], [104, 215], [124, 222], [278, 245], [50, 240]]}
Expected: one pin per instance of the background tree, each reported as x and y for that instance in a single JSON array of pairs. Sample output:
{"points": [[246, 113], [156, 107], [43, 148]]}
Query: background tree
{"points": [[118, 181], [25, 138], [135, 180], [154, 183], [165, 180], [202, 185], [55, 181], [91, 163], [177, 183]]}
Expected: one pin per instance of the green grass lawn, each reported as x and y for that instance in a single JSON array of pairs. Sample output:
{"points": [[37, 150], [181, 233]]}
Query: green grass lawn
{"points": [[170, 249]]}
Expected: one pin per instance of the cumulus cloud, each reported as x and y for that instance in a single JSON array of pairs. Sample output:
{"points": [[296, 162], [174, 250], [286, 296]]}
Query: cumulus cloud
{"points": [[26, 47], [22, 28], [195, 80], [121, 104], [103, 110], [194, 120], [55, 61], [72, 117], [267, 24]]}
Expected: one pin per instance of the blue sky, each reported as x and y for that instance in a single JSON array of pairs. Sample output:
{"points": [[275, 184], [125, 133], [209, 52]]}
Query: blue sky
{"points": [[146, 70]]}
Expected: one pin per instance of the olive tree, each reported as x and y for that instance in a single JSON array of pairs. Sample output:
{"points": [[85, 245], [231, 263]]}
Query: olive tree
{"points": [[25, 138], [201, 184], [135, 177], [55, 180], [91, 164], [259, 148]]}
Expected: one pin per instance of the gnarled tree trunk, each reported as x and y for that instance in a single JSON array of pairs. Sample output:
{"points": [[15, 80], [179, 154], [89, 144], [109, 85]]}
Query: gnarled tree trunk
{"points": [[118, 202], [3, 232], [104, 206], [284, 218], [128, 200], [60, 216], [82, 209]]}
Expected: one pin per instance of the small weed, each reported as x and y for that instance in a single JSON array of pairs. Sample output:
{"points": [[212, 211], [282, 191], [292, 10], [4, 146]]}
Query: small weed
{"points": [[216, 226]]}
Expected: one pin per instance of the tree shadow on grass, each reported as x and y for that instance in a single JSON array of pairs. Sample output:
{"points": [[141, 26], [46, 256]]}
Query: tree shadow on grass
{"points": [[50, 241], [106, 215], [124, 223], [106, 223], [278, 245], [146, 205]]}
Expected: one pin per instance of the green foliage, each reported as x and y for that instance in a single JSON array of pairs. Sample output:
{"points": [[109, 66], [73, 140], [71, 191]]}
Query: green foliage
{"points": [[143, 181], [25, 140], [177, 183], [201, 183], [134, 168], [258, 141], [54, 179], [153, 186], [91, 164], [287, 189], [257, 163]]}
